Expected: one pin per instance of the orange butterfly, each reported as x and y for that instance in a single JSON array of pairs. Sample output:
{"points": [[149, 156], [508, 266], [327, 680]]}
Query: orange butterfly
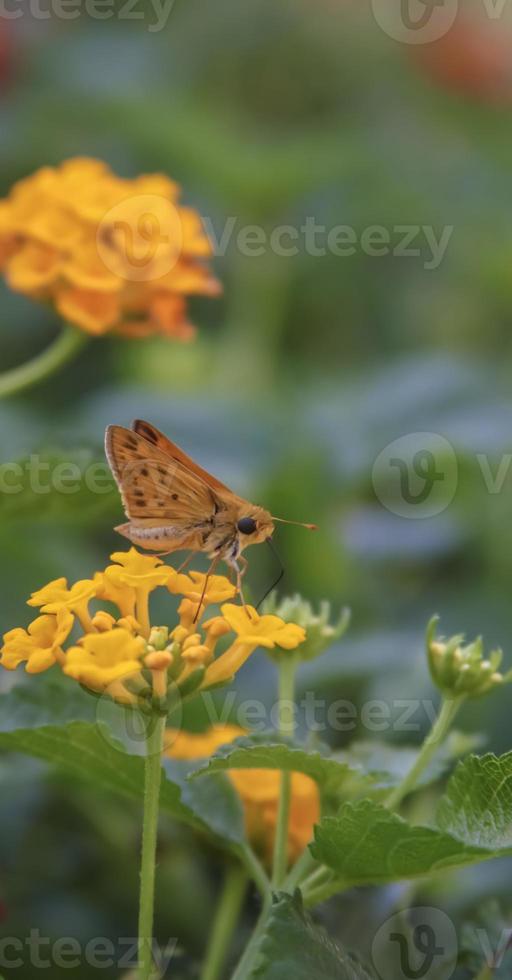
{"points": [[172, 504]]}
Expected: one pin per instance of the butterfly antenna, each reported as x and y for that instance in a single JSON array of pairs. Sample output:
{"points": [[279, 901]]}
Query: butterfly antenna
{"points": [[281, 571], [309, 527]]}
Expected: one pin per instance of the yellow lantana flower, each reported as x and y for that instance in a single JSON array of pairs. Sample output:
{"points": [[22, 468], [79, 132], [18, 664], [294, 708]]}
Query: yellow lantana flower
{"points": [[264, 631], [180, 658], [192, 586], [141, 573], [40, 645], [103, 658], [56, 596], [252, 631], [137, 571], [123, 596], [111, 254], [259, 791]]}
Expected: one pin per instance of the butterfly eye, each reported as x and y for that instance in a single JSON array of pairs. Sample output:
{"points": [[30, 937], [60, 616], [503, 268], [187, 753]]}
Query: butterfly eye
{"points": [[246, 525]]}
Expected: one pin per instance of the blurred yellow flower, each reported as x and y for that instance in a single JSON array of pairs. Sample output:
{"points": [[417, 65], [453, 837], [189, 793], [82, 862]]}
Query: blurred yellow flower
{"points": [[103, 658], [259, 790], [189, 745], [111, 254], [40, 646]]}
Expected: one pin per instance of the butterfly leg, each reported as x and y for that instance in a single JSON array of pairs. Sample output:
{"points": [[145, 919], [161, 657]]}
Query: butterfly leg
{"points": [[210, 571], [186, 562], [240, 572]]}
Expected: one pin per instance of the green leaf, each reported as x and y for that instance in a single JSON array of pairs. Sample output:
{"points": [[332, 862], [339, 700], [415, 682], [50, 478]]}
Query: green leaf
{"points": [[293, 946], [45, 702], [478, 804], [365, 843], [270, 751], [90, 751]]}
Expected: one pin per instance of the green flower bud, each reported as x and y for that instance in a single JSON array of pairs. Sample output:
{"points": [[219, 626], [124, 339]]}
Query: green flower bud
{"points": [[320, 633], [460, 670], [159, 637]]}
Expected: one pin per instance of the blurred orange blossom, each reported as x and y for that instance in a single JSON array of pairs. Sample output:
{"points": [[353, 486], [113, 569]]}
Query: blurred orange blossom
{"points": [[111, 254]]}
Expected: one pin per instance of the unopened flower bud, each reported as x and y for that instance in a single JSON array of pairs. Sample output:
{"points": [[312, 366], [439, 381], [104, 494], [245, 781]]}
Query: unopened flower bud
{"points": [[460, 670], [103, 621], [158, 660], [159, 637]]}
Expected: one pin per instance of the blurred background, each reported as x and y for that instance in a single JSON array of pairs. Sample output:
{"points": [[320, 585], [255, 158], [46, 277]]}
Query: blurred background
{"points": [[302, 378]]}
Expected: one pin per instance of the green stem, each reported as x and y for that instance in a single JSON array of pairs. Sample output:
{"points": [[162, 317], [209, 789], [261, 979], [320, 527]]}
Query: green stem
{"points": [[316, 879], [226, 918], [333, 886], [305, 864], [153, 775], [69, 341], [287, 671], [255, 869], [250, 952], [429, 748]]}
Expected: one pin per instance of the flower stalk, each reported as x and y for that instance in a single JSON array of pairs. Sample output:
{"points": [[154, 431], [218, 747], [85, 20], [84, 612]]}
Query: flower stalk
{"points": [[67, 344], [152, 781], [226, 918], [287, 672], [433, 741]]}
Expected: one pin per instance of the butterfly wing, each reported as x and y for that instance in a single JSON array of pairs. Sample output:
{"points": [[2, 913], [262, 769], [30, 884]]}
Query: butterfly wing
{"points": [[155, 488], [157, 439]]}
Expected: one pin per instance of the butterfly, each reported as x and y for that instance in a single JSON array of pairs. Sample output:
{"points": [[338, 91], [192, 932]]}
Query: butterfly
{"points": [[172, 504]]}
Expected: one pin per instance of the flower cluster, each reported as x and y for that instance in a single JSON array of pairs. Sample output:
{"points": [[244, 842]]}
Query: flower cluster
{"points": [[120, 653], [259, 791], [462, 670], [109, 253]]}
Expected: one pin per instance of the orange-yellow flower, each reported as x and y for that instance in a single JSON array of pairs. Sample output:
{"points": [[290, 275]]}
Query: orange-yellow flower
{"points": [[142, 573], [137, 571], [40, 646], [252, 631], [56, 596], [111, 254], [123, 596], [192, 586], [103, 658], [263, 631], [186, 653], [259, 790]]}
